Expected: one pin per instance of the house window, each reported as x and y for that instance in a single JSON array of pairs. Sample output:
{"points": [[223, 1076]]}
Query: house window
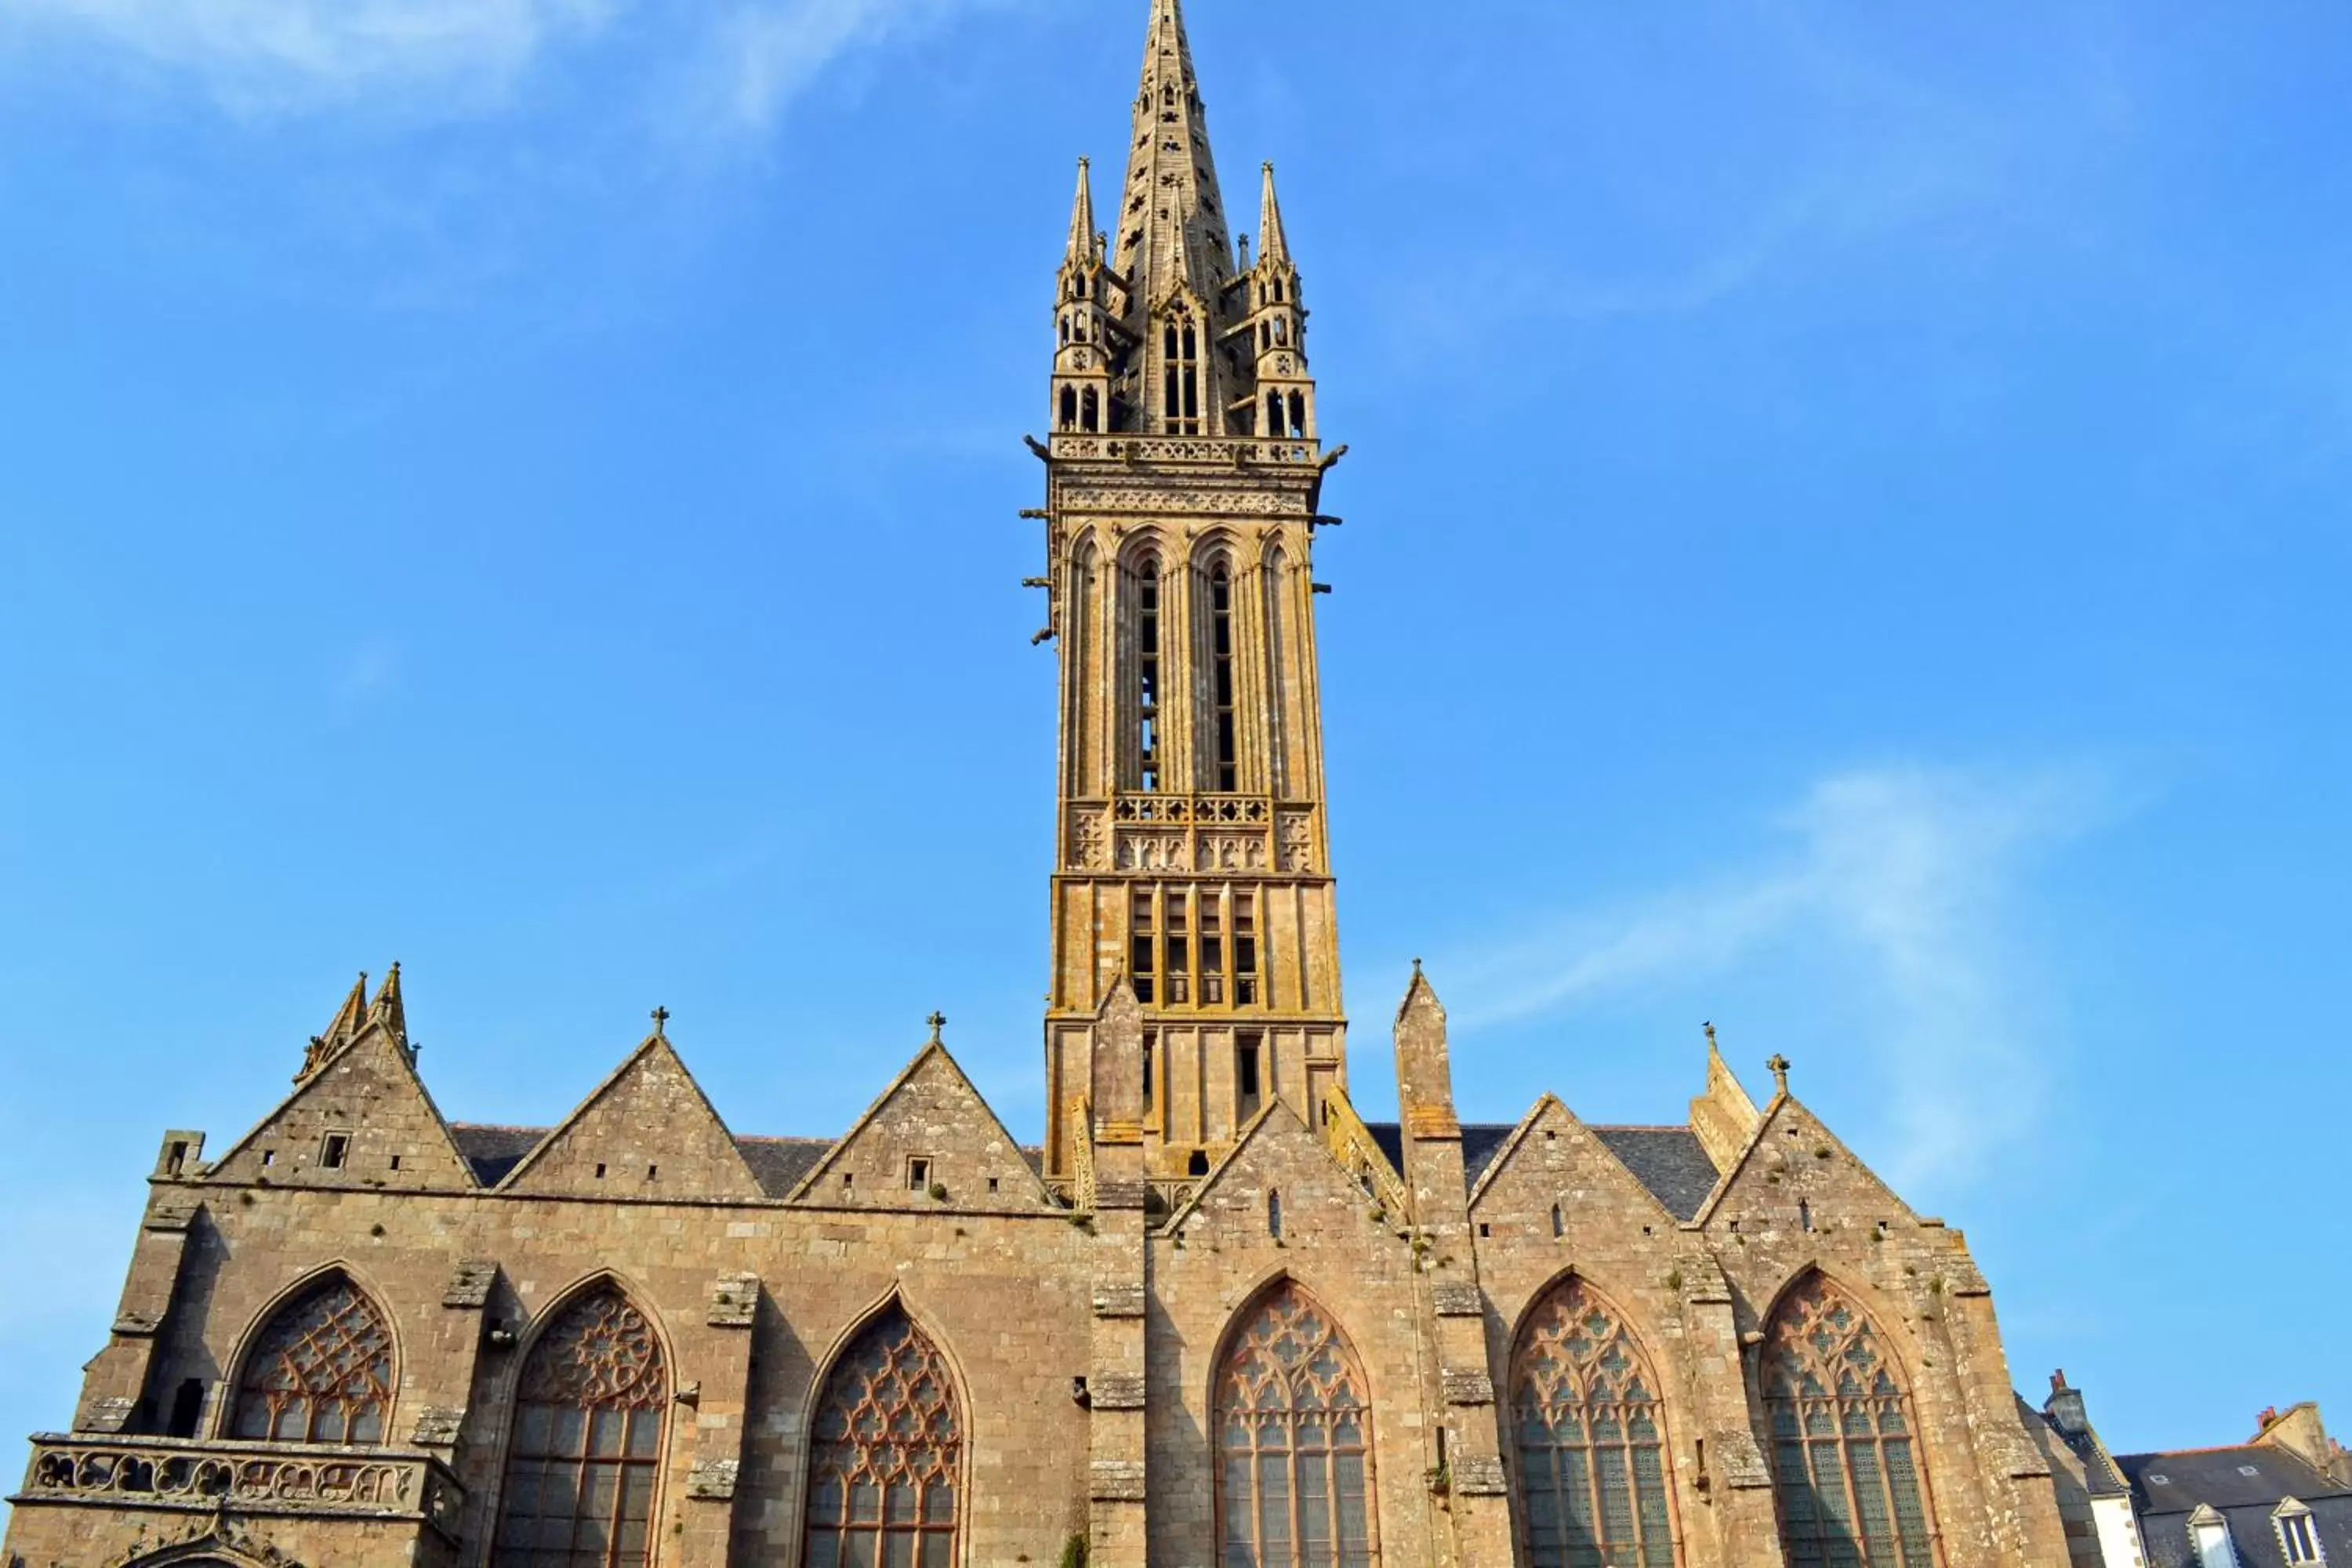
{"points": [[1294, 1429], [587, 1441], [2296, 1536], [1584, 1409]]}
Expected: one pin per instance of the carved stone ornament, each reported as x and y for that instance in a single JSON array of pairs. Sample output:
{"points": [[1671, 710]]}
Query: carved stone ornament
{"points": [[1089, 845], [1298, 848], [204, 1541]]}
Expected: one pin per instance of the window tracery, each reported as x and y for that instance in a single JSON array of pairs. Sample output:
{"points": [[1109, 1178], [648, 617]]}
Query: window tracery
{"points": [[886, 1459], [1295, 1449], [319, 1373], [1585, 1411], [1844, 1464], [586, 1449]]}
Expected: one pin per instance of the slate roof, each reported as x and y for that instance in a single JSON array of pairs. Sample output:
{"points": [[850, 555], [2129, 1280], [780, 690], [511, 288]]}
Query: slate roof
{"points": [[495, 1151], [2100, 1477], [782, 1163], [2218, 1477], [1669, 1161]]}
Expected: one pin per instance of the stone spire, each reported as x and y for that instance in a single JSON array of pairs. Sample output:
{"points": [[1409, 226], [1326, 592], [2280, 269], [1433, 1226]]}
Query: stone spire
{"points": [[1081, 251], [1274, 244], [389, 1009], [1172, 217]]}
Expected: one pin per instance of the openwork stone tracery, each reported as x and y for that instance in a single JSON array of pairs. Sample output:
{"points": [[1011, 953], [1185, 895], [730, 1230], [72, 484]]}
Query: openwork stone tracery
{"points": [[587, 1442], [1586, 1415], [886, 1458], [1294, 1442], [1843, 1462], [321, 1372]]}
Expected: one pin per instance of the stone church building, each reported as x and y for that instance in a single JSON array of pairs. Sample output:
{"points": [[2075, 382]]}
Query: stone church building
{"points": [[1214, 1320]]}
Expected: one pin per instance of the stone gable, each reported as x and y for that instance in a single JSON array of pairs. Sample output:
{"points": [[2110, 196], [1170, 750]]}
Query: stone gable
{"points": [[647, 1131]]}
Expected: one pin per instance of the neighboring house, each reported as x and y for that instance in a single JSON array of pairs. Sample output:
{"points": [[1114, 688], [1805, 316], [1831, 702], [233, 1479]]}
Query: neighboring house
{"points": [[2095, 1500], [2283, 1498]]}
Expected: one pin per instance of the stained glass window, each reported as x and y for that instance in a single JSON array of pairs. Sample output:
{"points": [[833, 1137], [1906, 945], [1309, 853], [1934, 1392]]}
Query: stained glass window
{"points": [[885, 1462], [587, 1442], [1294, 1442], [321, 1372], [1584, 1408], [1843, 1460]]}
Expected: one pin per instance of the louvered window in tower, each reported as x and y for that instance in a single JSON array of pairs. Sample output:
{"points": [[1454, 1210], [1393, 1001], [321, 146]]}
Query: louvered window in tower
{"points": [[1294, 1441], [1585, 1414], [1223, 727], [587, 1442], [1146, 691], [1844, 1463], [1180, 402], [886, 1457], [320, 1371]]}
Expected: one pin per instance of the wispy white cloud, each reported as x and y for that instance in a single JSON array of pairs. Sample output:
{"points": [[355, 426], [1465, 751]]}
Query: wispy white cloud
{"points": [[279, 55], [761, 56], [1908, 877]]}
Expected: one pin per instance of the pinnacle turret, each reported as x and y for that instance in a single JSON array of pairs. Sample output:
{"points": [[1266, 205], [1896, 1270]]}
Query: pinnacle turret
{"points": [[1273, 245], [1081, 251]]}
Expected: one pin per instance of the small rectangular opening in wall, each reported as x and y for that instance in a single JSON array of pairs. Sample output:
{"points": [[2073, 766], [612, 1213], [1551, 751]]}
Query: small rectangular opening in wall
{"points": [[600, 1171], [919, 1175], [269, 1157], [992, 1184], [848, 1181], [177, 1159], [1248, 1077], [335, 1151], [1484, 1229], [653, 1172], [396, 1161], [187, 1409]]}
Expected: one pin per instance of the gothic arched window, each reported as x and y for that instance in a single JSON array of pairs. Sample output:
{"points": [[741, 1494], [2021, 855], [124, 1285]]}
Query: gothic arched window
{"points": [[320, 1371], [1843, 1461], [587, 1442], [885, 1455], [1273, 572], [1144, 688], [1293, 1442], [1180, 348], [1585, 1414], [1222, 723]]}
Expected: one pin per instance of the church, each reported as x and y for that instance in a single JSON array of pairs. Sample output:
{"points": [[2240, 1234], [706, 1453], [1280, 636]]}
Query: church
{"points": [[1212, 1320]]}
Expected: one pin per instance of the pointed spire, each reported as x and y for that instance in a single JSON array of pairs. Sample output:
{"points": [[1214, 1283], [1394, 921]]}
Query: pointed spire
{"points": [[1273, 245], [388, 1009], [341, 1030], [1171, 216], [1082, 219]]}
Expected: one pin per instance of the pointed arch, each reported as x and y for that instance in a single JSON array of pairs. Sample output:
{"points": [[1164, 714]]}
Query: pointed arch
{"points": [[1295, 1464], [590, 1417], [1143, 646], [1846, 1469], [320, 1366], [1274, 571], [1589, 1425], [1216, 589], [885, 1464]]}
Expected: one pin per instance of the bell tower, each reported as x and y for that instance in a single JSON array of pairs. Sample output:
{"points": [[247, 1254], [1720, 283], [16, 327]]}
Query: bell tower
{"points": [[1191, 889]]}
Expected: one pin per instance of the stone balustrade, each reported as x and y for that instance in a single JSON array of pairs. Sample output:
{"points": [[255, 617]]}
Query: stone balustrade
{"points": [[192, 1476]]}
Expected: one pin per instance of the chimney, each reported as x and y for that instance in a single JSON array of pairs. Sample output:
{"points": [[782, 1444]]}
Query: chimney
{"points": [[2065, 1408]]}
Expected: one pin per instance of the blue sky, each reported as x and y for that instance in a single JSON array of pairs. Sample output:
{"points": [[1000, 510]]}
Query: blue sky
{"points": [[1847, 535]]}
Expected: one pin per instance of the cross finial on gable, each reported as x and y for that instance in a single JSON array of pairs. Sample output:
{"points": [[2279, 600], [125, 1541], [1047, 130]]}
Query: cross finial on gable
{"points": [[938, 1022], [1779, 1065], [661, 1022], [1710, 1036]]}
